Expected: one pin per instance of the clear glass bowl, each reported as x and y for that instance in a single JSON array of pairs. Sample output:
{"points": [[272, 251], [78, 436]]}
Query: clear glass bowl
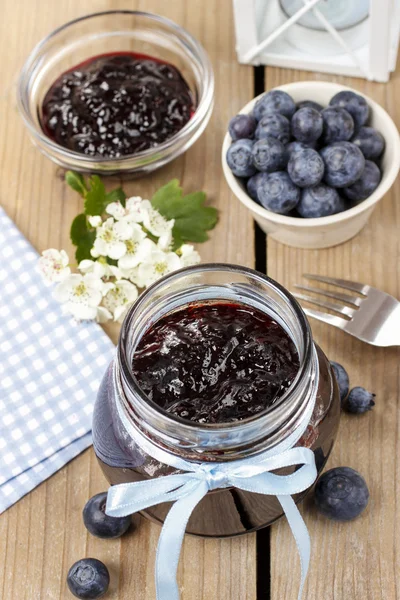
{"points": [[116, 31]]}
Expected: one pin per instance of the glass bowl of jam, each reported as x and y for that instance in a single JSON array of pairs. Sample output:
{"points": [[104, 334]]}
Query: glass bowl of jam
{"points": [[214, 363], [116, 92]]}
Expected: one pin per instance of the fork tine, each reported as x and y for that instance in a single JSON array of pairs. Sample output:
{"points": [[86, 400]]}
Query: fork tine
{"points": [[348, 285], [336, 295], [344, 310], [326, 318]]}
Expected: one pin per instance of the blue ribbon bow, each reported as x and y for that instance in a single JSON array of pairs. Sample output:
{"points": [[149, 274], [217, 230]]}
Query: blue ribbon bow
{"points": [[251, 474]]}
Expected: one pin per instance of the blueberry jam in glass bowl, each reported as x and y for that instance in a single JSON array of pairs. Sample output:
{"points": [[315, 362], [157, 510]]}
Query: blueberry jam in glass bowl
{"points": [[116, 92], [116, 104]]}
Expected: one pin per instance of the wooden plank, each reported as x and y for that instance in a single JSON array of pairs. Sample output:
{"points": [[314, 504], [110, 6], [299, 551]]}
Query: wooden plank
{"points": [[43, 534], [358, 559]]}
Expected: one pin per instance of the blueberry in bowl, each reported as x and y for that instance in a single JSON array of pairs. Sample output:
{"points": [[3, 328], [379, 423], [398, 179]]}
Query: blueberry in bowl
{"points": [[370, 141], [365, 185], [306, 168], [242, 126], [340, 157], [307, 124], [275, 101], [320, 201], [338, 125], [240, 158], [268, 155], [344, 164], [277, 192], [355, 104]]}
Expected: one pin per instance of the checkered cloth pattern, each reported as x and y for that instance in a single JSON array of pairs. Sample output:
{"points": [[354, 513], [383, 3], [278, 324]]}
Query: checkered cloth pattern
{"points": [[50, 369]]}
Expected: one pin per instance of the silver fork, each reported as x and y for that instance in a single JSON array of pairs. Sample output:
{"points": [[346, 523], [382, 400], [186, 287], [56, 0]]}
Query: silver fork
{"points": [[373, 316]]}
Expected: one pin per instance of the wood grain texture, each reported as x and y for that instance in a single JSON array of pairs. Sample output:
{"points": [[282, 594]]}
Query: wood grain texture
{"points": [[43, 534], [360, 559]]}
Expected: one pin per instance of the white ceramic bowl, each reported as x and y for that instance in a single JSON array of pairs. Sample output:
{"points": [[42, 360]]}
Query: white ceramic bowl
{"points": [[336, 229]]}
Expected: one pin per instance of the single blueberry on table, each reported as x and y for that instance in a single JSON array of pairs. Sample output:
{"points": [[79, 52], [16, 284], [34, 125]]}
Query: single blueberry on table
{"points": [[338, 125], [274, 101], [307, 125], [297, 147], [239, 158], [320, 201], [341, 494], [275, 125], [355, 104], [269, 155], [242, 126], [368, 182], [344, 164], [342, 379], [309, 104], [306, 168], [359, 401], [277, 193], [88, 579], [98, 523], [370, 141]]}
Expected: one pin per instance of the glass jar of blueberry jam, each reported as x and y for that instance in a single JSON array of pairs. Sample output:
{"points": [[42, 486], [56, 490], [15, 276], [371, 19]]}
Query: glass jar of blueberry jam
{"points": [[214, 363]]}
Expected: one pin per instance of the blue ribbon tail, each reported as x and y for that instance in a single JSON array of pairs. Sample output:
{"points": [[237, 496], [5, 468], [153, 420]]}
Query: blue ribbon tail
{"points": [[170, 542], [300, 534]]}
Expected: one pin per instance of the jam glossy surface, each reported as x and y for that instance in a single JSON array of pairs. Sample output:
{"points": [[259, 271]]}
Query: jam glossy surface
{"points": [[215, 362], [116, 104]]}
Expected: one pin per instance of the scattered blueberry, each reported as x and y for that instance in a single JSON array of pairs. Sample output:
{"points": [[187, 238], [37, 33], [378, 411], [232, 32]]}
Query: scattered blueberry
{"points": [[342, 379], [274, 101], [370, 141], [269, 155], [239, 158], [98, 523], [359, 401], [320, 201], [309, 104], [276, 192], [297, 146], [338, 125], [344, 164], [275, 125], [341, 494], [368, 182], [242, 126], [307, 125], [355, 104], [306, 168], [88, 578]]}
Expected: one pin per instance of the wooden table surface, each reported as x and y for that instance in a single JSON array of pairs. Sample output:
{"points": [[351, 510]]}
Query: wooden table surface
{"points": [[43, 534]]}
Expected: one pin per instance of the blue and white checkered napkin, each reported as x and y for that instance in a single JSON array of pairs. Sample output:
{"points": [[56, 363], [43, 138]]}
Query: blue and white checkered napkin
{"points": [[50, 369]]}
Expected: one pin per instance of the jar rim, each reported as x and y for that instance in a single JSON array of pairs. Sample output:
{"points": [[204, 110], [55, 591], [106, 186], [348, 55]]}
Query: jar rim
{"points": [[144, 157], [127, 372]]}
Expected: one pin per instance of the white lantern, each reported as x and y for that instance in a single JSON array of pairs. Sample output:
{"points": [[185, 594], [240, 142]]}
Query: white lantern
{"points": [[350, 37]]}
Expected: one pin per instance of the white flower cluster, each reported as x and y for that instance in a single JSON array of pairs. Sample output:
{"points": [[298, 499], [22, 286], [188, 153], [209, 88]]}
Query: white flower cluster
{"points": [[138, 239]]}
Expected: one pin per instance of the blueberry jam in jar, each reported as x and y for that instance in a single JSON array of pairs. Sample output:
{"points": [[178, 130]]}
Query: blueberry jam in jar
{"points": [[116, 105], [214, 363]]}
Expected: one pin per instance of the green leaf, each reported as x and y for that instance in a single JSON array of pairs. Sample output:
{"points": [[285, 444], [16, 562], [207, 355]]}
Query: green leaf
{"points": [[192, 218], [82, 237], [96, 200], [76, 181], [117, 195], [167, 199]]}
